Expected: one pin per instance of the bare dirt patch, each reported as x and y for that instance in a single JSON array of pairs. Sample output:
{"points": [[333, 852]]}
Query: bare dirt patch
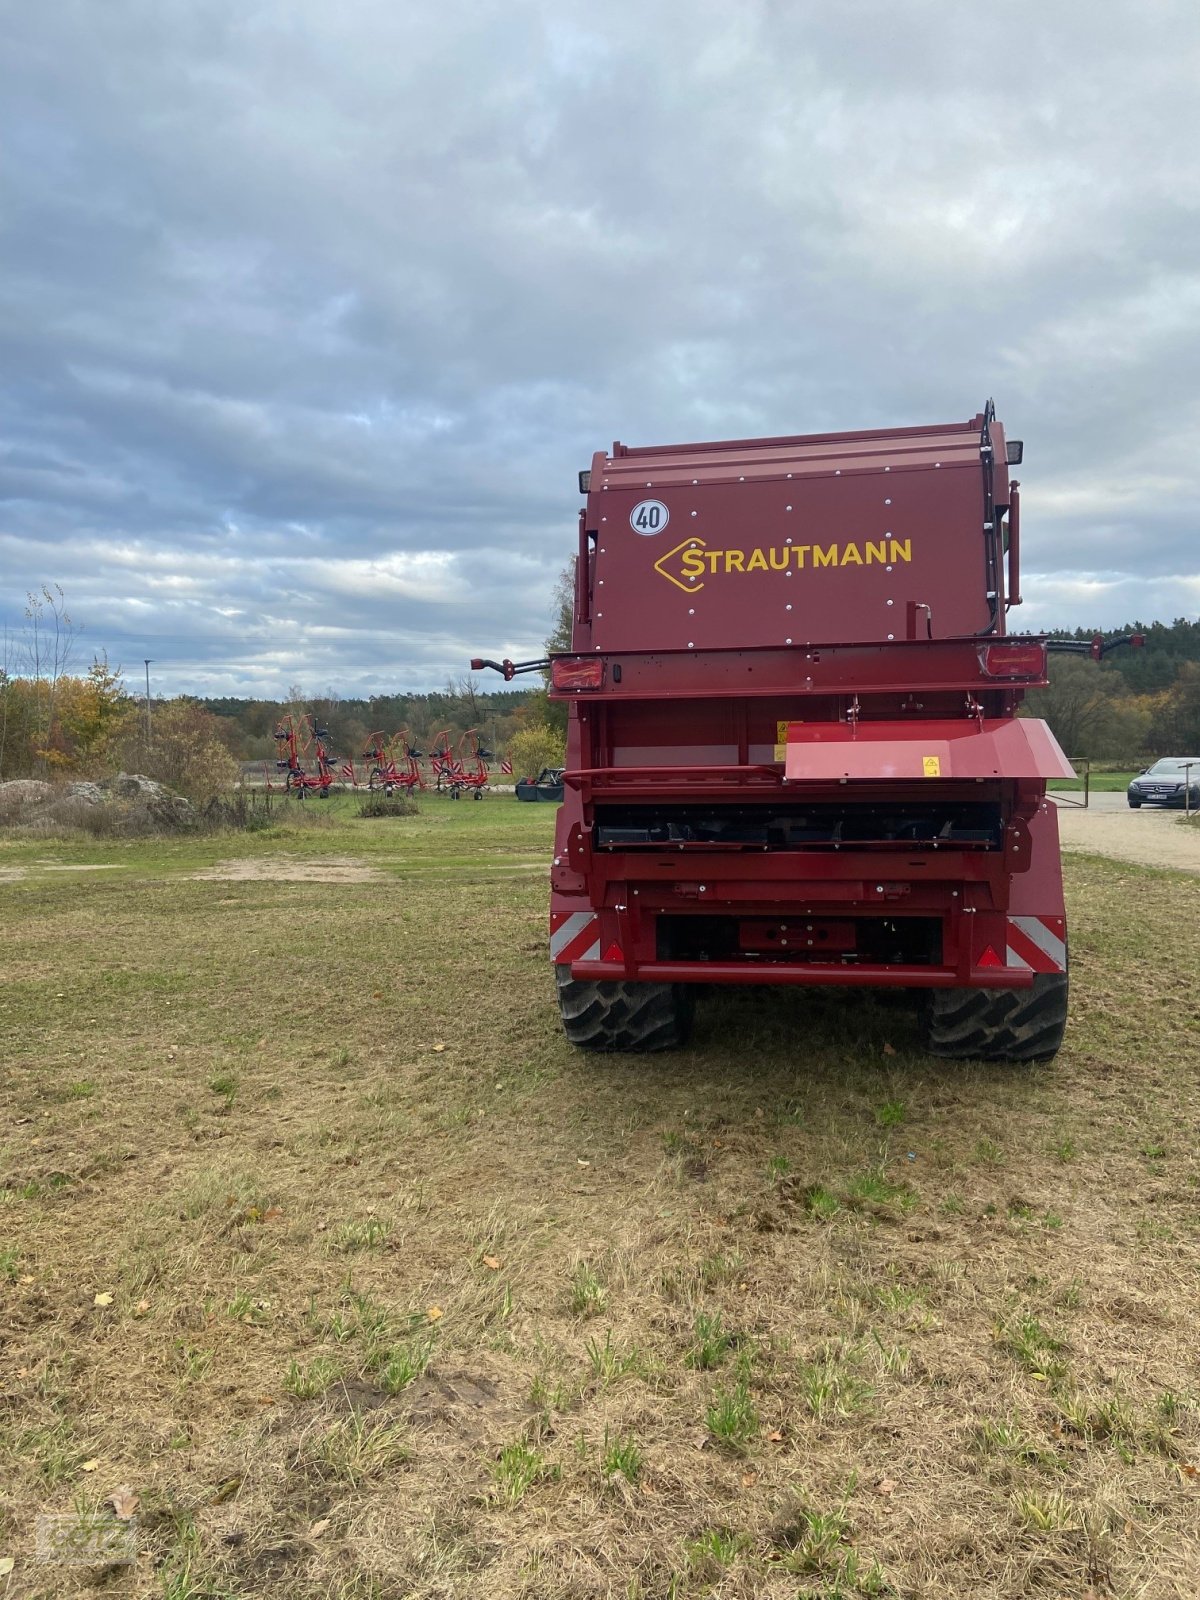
{"points": [[1149, 838], [85, 866], [289, 869]]}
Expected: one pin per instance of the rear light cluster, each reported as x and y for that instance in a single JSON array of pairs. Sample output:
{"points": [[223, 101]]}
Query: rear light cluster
{"points": [[1019, 659], [577, 672]]}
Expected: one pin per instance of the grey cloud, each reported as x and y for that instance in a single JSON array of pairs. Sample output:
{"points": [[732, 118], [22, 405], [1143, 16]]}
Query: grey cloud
{"points": [[308, 315]]}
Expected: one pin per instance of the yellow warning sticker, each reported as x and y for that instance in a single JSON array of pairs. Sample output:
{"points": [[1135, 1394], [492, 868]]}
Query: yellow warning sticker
{"points": [[932, 765], [781, 729]]}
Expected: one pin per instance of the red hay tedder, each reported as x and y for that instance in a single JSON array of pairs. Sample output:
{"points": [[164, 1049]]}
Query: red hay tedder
{"points": [[395, 763], [794, 754], [296, 740], [465, 771]]}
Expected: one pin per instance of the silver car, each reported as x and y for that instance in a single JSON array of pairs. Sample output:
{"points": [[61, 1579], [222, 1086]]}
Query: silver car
{"points": [[1173, 781]]}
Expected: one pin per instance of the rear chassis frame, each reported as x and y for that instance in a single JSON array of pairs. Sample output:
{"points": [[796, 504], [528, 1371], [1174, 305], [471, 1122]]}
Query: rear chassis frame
{"points": [[966, 905]]}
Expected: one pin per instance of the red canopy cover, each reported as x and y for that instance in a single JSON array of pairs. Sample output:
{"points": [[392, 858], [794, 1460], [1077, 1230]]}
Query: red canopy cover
{"points": [[1000, 747]]}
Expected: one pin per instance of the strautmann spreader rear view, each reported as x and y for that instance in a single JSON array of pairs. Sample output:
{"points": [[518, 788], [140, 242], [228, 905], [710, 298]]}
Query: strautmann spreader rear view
{"points": [[794, 754]]}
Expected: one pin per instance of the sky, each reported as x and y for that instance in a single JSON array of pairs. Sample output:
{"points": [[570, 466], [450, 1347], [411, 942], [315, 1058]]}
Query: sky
{"points": [[311, 313]]}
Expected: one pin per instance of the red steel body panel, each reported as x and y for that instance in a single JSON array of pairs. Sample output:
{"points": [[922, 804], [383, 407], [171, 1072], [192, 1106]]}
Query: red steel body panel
{"points": [[821, 539], [779, 776]]}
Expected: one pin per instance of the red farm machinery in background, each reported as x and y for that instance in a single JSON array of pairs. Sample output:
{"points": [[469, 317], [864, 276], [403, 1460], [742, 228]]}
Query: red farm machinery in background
{"points": [[794, 753], [395, 762], [461, 771], [299, 741]]}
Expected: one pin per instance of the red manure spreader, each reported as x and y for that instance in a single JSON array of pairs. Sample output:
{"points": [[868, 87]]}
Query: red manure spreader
{"points": [[794, 754]]}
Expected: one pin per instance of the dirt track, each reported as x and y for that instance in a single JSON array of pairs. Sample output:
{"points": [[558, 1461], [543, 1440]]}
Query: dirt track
{"points": [[1149, 838], [289, 869]]}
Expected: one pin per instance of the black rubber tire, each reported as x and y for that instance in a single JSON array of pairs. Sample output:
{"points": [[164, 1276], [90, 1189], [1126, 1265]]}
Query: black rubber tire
{"points": [[997, 1024], [624, 1016], [1135, 805]]}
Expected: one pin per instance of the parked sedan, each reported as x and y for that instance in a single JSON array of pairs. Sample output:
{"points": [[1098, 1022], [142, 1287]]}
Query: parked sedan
{"points": [[1168, 782]]}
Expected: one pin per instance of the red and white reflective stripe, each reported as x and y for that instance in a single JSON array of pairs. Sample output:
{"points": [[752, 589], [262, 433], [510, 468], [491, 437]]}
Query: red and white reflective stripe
{"points": [[1037, 943], [574, 936]]}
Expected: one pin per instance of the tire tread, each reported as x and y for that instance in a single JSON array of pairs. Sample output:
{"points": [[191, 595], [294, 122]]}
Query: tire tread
{"points": [[998, 1024], [622, 1015]]}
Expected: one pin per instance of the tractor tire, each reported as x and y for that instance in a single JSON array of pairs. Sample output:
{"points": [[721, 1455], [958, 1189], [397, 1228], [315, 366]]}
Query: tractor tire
{"points": [[622, 1015], [997, 1024]]}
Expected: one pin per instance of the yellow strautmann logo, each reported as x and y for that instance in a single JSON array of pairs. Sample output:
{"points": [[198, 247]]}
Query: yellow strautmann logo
{"points": [[690, 562]]}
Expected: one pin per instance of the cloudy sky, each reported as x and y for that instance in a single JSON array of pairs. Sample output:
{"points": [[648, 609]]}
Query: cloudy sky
{"points": [[310, 312]]}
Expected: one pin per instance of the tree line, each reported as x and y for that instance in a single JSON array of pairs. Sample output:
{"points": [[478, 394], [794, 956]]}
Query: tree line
{"points": [[1132, 706], [58, 720]]}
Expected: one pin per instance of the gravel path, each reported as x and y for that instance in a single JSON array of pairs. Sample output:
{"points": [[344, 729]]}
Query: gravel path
{"points": [[1148, 837]]}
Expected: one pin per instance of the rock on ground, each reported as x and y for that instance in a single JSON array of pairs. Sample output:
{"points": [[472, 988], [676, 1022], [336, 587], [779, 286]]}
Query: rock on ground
{"points": [[26, 792], [91, 794], [127, 794], [159, 801]]}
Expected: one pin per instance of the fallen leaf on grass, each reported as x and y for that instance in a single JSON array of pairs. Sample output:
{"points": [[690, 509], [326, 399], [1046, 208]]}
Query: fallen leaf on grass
{"points": [[885, 1486], [492, 1263], [889, 1049], [775, 1437], [141, 1308], [318, 1528], [749, 1479], [90, 1466], [272, 1213], [647, 1487], [434, 1313], [225, 1491], [6, 1565], [103, 1300], [1189, 1471], [439, 1047], [124, 1502]]}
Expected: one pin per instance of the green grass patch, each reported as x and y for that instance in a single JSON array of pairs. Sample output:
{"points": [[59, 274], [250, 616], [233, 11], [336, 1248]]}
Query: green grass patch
{"points": [[303, 1169]]}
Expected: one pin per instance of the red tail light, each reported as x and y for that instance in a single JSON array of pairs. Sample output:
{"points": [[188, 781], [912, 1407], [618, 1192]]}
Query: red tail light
{"points": [[1016, 660], [579, 672]]}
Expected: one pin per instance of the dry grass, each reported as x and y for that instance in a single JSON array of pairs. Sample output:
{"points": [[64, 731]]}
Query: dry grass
{"points": [[407, 1299]]}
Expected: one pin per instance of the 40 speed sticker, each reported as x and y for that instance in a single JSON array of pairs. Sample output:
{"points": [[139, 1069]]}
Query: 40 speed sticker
{"points": [[649, 516]]}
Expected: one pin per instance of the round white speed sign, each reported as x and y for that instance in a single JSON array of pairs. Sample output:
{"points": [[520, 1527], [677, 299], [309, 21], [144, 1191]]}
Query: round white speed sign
{"points": [[649, 516]]}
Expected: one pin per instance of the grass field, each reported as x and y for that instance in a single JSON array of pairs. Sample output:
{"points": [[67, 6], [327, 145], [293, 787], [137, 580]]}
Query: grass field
{"points": [[318, 1238]]}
